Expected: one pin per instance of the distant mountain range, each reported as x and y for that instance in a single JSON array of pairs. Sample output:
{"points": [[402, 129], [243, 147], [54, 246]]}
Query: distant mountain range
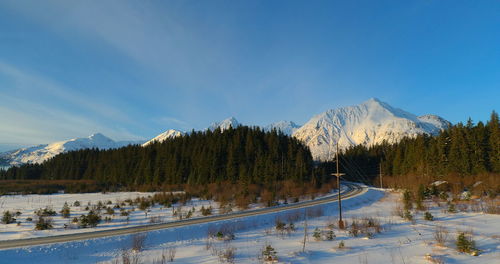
{"points": [[41, 153], [368, 123]]}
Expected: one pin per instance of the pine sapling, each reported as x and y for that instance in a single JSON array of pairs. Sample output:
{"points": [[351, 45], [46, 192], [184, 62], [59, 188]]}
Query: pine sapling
{"points": [[465, 244], [341, 244], [428, 216], [317, 234], [269, 254], [65, 211], [329, 235]]}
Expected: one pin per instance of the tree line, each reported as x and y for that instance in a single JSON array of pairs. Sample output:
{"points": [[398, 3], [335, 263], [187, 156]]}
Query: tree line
{"points": [[461, 154], [237, 155]]}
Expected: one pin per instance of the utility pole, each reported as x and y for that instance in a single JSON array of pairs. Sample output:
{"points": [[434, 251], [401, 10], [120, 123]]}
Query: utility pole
{"points": [[338, 175], [380, 171]]}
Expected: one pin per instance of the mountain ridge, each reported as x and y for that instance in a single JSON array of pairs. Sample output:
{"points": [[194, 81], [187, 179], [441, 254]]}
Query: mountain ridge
{"points": [[368, 123], [43, 152]]}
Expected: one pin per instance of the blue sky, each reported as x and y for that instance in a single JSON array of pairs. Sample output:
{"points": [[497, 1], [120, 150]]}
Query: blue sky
{"points": [[132, 69]]}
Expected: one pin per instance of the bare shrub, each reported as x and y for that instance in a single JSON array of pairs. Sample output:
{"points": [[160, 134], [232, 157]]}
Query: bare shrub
{"points": [[129, 257], [211, 231], [331, 223], [208, 243], [462, 207], [491, 207], [171, 253], [354, 228], [434, 259], [155, 219], [398, 211], [138, 242], [475, 206], [227, 230], [227, 254], [441, 235], [370, 226]]}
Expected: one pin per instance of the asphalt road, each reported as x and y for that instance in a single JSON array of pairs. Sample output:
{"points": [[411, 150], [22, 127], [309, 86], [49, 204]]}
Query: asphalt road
{"points": [[352, 190]]}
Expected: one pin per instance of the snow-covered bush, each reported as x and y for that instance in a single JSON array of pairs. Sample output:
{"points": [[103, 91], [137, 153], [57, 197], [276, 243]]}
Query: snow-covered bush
{"points": [[341, 244], [47, 211], [317, 234], [465, 244], [428, 216], [44, 223], [269, 254], [407, 200], [8, 218], [92, 219], [329, 235], [206, 211], [65, 211]]}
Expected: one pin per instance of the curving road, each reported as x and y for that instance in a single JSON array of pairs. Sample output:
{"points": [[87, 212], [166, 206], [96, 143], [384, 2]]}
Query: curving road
{"points": [[351, 190]]}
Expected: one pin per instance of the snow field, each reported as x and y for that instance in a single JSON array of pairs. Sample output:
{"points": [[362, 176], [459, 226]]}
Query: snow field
{"points": [[28, 204], [399, 241]]}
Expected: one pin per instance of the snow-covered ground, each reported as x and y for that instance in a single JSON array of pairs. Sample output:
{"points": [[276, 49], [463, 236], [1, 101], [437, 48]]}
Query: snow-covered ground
{"points": [[399, 241], [28, 204]]}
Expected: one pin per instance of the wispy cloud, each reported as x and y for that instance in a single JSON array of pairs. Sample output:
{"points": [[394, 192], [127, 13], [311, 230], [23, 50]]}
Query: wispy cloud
{"points": [[184, 58], [160, 39], [27, 117], [27, 83]]}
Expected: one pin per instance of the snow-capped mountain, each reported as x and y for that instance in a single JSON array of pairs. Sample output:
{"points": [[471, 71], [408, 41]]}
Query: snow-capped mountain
{"points": [[436, 123], [286, 127], [224, 124], [369, 123], [41, 153], [169, 134]]}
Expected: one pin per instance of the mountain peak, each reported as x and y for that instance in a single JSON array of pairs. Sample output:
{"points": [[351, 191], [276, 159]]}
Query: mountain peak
{"points": [[224, 124], [98, 136], [371, 122], [286, 127], [169, 134], [373, 100]]}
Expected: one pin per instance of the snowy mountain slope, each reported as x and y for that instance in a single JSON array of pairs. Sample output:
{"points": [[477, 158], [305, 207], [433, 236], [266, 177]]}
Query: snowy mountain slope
{"points": [[224, 124], [369, 123], [171, 133], [286, 127], [435, 123], [41, 153]]}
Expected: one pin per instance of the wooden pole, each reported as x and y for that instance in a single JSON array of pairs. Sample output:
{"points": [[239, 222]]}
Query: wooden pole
{"points": [[338, 175]]}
